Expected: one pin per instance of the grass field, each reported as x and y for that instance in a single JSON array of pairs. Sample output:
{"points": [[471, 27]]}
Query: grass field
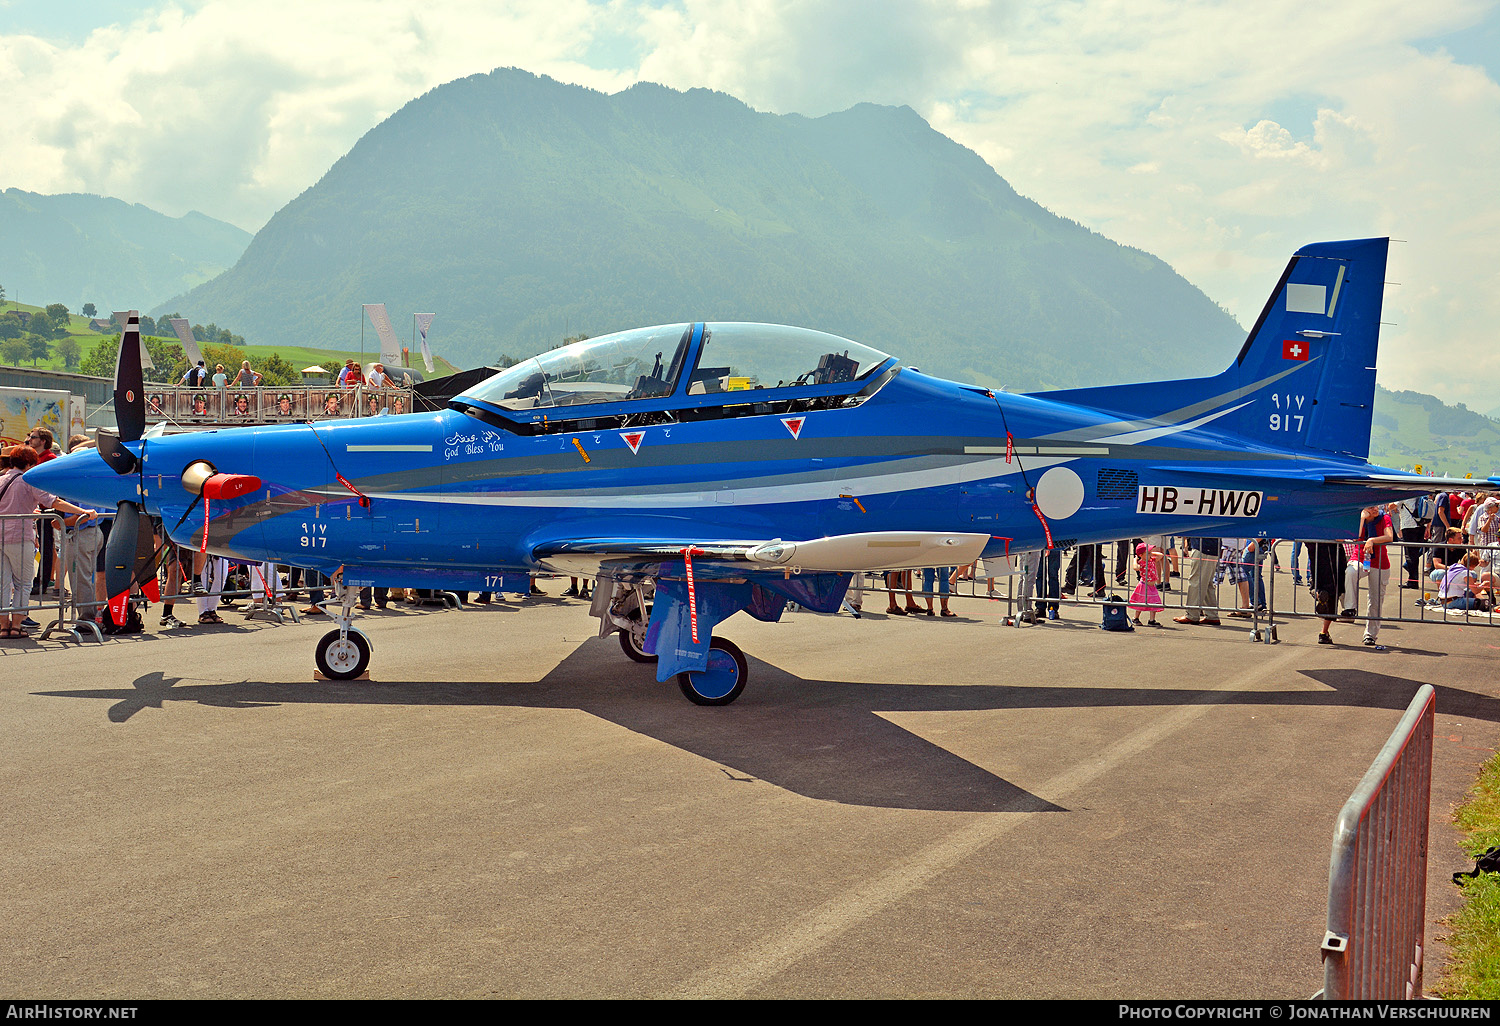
{"points": [[1474, 932], [297, 356]]}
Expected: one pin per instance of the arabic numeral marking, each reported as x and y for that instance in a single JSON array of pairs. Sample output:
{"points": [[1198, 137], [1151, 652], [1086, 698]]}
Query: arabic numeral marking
{"points": [[1299, 422], [1276, 399], [1275, 422], [491, 582]]}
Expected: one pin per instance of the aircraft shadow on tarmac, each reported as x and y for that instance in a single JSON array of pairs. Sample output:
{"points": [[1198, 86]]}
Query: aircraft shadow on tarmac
{"points": [[824, 740]]}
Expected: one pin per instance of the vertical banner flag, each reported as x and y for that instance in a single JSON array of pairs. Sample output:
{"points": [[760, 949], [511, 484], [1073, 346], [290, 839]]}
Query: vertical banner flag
{"points": [[189, 343], [123, 317], [424, 321], [390, 349]]}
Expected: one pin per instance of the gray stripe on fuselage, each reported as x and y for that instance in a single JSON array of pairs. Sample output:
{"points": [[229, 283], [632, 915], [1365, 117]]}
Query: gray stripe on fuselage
{"points": [[429, 477]]}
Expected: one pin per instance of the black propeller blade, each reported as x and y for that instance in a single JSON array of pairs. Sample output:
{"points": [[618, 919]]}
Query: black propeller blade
{"points": [[120, 459], [128, 556], [130, 400]]}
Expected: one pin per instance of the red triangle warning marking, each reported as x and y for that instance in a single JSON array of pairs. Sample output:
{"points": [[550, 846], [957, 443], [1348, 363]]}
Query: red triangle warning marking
{"points": [[633, 439], [794, 425]]}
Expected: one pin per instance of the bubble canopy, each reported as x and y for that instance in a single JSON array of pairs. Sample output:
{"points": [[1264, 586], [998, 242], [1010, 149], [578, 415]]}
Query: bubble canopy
{"points": [[647, 363]]}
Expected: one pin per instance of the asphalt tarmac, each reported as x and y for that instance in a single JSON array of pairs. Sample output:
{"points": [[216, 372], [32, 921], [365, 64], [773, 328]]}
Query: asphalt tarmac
{"points": [[895, 807]]}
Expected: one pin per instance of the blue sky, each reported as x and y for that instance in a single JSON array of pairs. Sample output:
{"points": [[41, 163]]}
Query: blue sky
{"points": [[1219, 136]]}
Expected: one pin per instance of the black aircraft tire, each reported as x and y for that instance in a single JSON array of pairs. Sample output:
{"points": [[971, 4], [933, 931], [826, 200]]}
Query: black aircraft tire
{"points": [[724, 679], [627, 643], [342, 661]]}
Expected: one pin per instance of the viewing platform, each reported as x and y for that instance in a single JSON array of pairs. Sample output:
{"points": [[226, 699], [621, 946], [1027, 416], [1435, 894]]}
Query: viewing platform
{"points": [[237, 407]]}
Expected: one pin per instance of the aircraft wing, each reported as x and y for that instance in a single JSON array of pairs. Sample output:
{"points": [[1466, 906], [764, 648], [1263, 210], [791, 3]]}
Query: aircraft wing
{"points": [[876, 550]]}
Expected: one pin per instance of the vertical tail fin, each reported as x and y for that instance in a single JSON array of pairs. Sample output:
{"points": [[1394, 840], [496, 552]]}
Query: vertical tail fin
{"points": [[1305, 377], [1311, 355]]}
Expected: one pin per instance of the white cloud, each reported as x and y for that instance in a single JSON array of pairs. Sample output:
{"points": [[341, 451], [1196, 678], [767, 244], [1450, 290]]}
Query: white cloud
{"points": [[235, 108]]}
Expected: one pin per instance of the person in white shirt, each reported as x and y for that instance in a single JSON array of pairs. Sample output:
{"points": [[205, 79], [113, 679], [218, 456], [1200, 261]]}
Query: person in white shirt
{"points": [[377, 378]]}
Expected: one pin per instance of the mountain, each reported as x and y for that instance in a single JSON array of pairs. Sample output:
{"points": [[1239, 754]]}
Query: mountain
{"points": [[77, 249], [1411, 428], [520, 210]]}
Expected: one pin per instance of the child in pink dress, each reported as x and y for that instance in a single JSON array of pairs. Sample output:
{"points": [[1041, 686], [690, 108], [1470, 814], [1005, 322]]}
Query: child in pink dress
{"points": [[1146, 598]]}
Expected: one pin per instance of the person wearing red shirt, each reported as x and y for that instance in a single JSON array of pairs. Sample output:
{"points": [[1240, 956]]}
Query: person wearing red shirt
{"points": [[1377, 529]]}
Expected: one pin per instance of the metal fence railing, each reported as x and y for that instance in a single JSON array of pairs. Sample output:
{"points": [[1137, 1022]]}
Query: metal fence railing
{"points": [[1377, 878], [1092, 574], [72, 605]]}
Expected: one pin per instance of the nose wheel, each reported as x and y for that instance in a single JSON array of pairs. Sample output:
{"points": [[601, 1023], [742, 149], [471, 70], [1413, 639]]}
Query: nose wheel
{"points": [[342, 656], [723, 680]]}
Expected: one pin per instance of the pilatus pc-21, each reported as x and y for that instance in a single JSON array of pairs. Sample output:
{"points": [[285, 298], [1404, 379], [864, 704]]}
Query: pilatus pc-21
{"points": [[742, 466]]}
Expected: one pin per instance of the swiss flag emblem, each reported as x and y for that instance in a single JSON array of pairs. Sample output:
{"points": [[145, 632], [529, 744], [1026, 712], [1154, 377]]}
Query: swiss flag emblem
{"points": [[794, 425], [633, 439], [1293, 349]]}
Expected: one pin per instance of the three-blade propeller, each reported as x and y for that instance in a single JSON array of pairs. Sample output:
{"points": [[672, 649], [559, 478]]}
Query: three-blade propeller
{"points": [[128, 553]]}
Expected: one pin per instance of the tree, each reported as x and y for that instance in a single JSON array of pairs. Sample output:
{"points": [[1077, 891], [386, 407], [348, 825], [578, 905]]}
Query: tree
{"points": [[101, 359], [71, 351], [39, 348], [215, 353], [89, 310], [278, 371], [14, 350], [58, 312], [10, 326]]}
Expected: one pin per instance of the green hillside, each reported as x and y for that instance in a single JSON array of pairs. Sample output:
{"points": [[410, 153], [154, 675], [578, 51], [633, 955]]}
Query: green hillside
{"points": [[1411, 428], [298, 356], [522, 210], [76, 249]]}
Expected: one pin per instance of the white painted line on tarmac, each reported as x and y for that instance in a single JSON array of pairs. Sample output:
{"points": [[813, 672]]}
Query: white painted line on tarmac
{"points": [[821, 926]]}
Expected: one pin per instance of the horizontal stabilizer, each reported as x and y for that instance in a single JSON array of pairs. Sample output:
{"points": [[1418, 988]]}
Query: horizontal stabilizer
{"points": [[1415, 483]]}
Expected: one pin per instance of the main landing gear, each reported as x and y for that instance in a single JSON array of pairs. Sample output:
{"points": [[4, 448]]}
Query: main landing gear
{"points": [[723, 680], [627, 611]]}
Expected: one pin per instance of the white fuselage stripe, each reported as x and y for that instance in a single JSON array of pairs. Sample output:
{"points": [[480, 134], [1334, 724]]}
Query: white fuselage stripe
{"points": [[808, 491]]}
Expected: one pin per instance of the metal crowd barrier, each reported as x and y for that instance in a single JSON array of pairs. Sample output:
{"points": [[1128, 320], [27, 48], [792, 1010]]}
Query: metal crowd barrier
{"points": [[75, 601], [67, 619], [1377, 878], [1399, 604]]}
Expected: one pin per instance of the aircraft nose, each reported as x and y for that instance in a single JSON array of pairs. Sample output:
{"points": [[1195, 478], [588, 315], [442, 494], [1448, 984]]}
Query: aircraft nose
{"points": [[84, 478]]}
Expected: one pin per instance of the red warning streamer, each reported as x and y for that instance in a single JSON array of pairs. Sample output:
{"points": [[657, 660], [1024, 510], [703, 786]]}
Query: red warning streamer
{"points": [[1010, 447], [204, 547], [687, 556], [1045, 529]]}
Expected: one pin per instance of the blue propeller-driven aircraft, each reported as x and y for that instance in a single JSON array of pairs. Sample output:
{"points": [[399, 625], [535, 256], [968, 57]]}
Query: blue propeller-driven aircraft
{"points": [[719, 467]]}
